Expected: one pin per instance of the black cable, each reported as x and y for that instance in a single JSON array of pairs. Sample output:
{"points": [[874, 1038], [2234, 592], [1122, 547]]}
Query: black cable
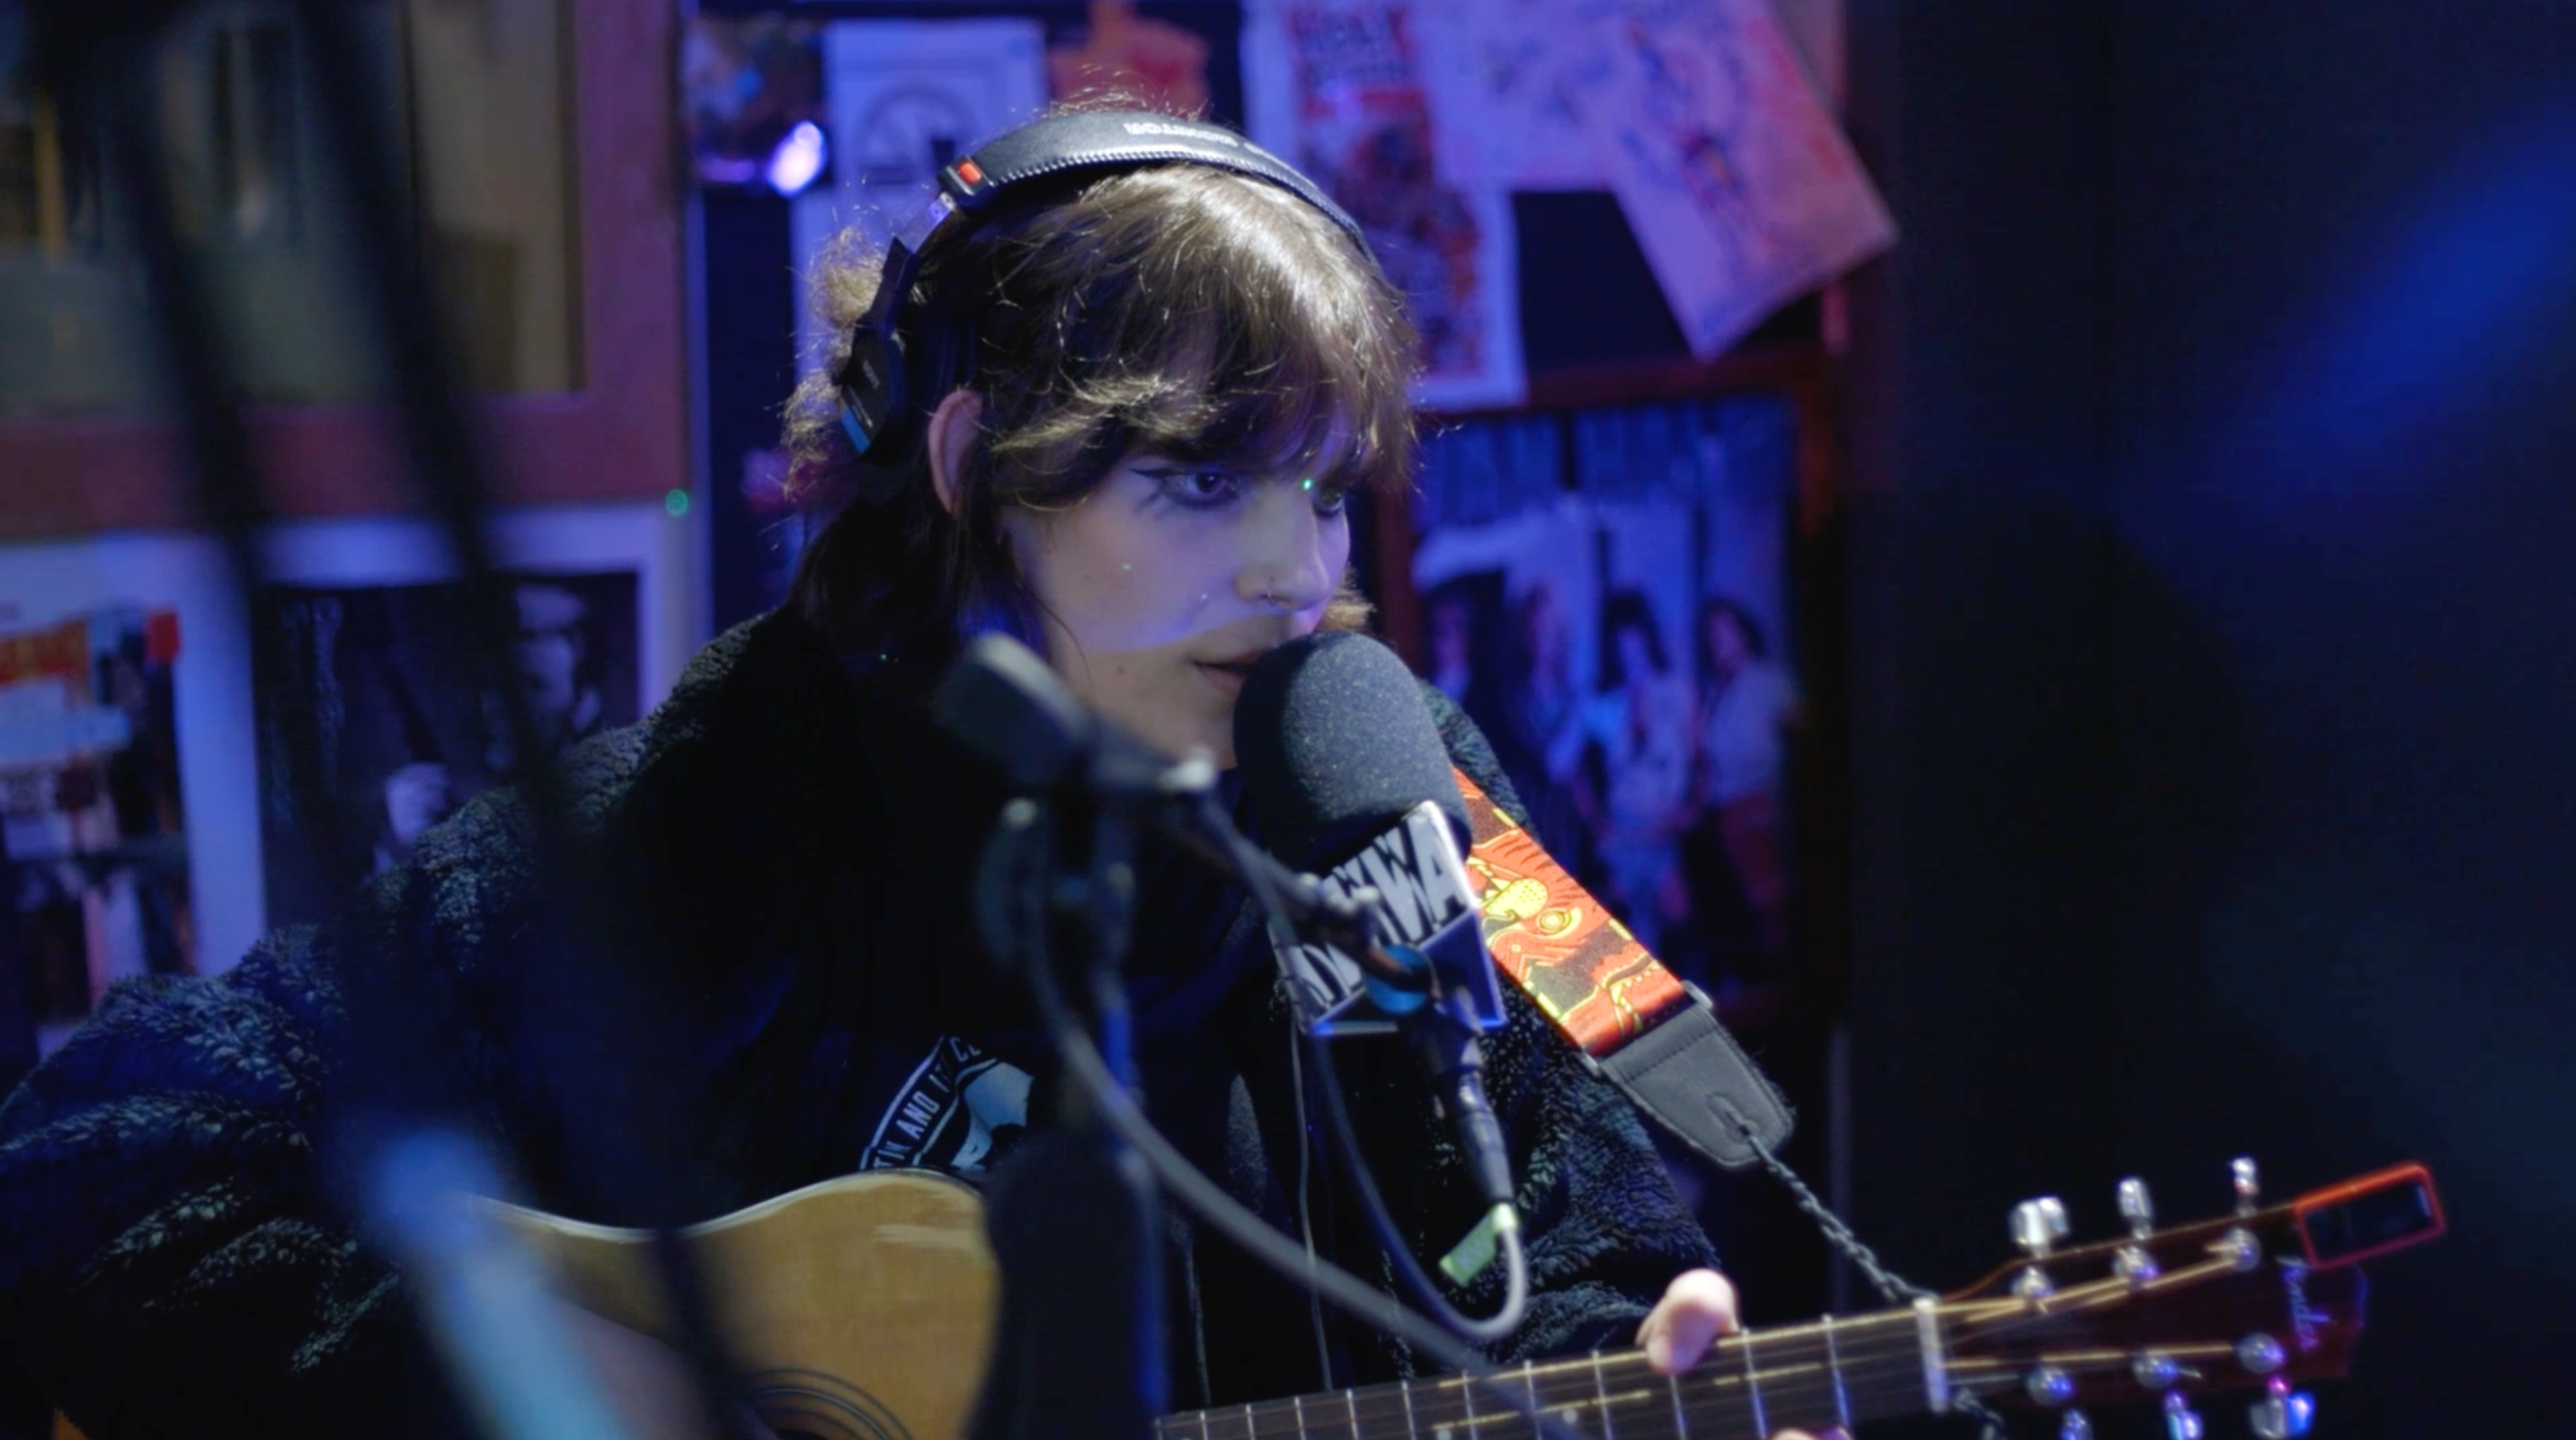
{"points": [[1022, 930], [1894, 1287], [1260, 880], [1399, 1252], [442, 444]]}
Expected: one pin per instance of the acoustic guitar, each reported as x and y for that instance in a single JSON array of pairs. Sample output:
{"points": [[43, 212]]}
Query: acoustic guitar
{"points": [[864, 1309]]}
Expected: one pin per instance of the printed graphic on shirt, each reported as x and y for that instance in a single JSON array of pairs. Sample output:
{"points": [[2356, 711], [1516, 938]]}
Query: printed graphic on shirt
{"points": [[960, 1112]]}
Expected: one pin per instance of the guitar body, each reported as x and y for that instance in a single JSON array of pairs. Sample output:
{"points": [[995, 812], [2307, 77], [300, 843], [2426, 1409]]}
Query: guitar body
{"points": [[861, 1308]]}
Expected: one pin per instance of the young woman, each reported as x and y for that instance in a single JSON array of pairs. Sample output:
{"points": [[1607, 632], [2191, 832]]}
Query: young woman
{"points": [[1141, 398]]}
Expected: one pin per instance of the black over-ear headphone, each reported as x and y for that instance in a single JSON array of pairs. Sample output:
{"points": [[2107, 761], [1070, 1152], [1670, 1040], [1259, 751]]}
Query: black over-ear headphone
{"points": [[899, 366]]}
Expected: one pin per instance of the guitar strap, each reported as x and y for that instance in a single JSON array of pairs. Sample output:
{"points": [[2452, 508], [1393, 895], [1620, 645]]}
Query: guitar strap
{"points": [[1647, 1032]]}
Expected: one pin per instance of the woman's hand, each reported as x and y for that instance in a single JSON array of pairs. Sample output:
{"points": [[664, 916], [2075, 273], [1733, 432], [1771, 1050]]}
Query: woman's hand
{"points": [[1698, 1307]]}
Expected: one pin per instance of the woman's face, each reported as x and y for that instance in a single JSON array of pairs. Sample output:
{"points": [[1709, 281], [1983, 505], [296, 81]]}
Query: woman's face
{"points": [[1161, 586]]}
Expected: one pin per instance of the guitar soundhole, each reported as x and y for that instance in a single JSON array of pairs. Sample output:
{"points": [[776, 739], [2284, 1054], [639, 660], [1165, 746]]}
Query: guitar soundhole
{"points": [[815, 1406]]}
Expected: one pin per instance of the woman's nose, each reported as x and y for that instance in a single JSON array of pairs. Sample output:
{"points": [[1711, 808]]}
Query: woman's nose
{"points": [[1286, 551]]}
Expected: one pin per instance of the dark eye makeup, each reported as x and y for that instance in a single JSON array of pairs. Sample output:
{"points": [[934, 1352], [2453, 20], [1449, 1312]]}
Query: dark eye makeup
{"points": [[1207, 485]]}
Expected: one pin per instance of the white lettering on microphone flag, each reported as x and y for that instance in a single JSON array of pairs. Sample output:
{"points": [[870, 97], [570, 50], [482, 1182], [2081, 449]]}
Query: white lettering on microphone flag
{"points": [[1429, 904]]}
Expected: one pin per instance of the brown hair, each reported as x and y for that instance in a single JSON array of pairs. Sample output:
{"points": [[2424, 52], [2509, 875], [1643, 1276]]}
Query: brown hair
{"points": [[1179, 309]]}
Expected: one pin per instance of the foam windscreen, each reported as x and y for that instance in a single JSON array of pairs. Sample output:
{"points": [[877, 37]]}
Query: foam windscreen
{"points": [[1335, 744]]}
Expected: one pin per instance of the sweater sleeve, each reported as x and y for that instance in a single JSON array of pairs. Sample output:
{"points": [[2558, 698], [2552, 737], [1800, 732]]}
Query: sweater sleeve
{"points": [[166, 1222], [172, 1256], [1604, 1228]]}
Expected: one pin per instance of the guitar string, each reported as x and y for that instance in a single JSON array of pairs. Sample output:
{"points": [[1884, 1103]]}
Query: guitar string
{"points": [[1707, 1416], [1556, 1381], [1805, 1393], [1803, 1384], [1992, 1318], [1434, 1399]]}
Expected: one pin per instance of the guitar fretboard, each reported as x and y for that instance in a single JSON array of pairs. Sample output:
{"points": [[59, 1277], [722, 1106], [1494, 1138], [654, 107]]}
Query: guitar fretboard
{"points": [[1827, 1372]]}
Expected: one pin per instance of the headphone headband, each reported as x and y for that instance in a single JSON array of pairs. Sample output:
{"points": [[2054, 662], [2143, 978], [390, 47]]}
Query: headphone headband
{"points": [[880, 400]]}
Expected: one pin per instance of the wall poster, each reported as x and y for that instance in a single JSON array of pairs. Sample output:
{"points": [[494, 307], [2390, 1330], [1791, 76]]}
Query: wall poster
{"points": [[1705, 119], [1343, 91], [411, 726], [93, 841], [1622, 636]]}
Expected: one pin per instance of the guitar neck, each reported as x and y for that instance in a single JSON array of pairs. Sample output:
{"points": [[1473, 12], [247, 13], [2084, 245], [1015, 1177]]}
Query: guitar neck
{"points": [[1827, 1372]]}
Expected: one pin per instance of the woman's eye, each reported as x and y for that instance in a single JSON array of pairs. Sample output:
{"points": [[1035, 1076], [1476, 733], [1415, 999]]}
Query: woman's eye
{"points": [[1330, 499], [1195, 485]]}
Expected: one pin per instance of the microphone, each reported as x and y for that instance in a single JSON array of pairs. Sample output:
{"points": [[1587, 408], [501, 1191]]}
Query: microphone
{"points": [[1345, 775], [1012, 710]]}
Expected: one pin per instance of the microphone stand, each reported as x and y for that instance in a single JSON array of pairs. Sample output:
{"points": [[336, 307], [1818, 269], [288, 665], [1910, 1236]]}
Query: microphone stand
{"points": [[1072, 1213]]}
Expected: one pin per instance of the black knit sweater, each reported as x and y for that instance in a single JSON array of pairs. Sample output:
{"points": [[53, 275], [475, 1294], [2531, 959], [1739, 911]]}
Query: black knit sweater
{"points": [[783, 856]]}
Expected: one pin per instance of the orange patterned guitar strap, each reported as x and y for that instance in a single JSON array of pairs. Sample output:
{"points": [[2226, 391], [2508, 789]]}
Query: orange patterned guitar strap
{"points": [[1646, 1031]]}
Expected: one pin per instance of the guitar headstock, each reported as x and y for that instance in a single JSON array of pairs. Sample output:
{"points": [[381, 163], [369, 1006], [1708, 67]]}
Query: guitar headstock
{"points": [[2260, 1299]]}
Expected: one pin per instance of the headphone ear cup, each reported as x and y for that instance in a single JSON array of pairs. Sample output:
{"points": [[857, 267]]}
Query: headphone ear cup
{"points": [[892, 381], [940, 354], [873, 391]]}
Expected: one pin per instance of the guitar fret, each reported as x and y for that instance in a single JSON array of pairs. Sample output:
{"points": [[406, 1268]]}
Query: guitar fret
{"points": [[1830, 1372], [1834, 1367], [1601, 1388], [1753, 1387]]}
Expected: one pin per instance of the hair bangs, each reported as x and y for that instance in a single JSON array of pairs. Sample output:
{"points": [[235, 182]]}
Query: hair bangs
{"points": [[1241, 327]]}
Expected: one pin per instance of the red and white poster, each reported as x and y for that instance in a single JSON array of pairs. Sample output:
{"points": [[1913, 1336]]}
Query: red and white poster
{"points": [[93, 846], [1342, 91]]}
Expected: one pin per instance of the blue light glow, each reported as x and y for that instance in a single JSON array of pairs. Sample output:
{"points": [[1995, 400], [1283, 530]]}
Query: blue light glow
{"points": [[2416, 344], [798, 159]]}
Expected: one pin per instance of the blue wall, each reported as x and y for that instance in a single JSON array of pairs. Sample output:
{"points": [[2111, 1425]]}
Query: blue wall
{"points": [[2212, 617]]}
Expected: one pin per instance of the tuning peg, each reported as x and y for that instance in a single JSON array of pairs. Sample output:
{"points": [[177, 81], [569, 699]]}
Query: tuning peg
{"points": [[2283, 1413], [2074, 1426], [2260, 1353], [2239, 1245], [2137, 1208], [2133, 1262], [2049, 1385], [2181, 1421], [2248, 1183], [2037, 1225]]}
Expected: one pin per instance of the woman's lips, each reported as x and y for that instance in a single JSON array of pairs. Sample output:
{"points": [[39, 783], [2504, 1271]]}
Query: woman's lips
{"points": [[1226, 675]]}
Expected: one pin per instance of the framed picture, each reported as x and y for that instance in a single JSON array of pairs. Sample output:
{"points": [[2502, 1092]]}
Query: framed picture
{"points": [[1608, 592], [629, 604], [539, 136], [411, 720]]}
